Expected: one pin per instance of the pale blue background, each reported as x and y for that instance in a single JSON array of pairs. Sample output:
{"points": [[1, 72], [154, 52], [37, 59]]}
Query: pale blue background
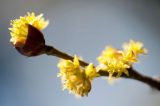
{"points": [[83, 27]]}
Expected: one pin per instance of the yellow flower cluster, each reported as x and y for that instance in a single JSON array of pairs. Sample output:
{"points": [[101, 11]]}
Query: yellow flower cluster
{"points": [[75, 78], [19, 27], [116, 61]]}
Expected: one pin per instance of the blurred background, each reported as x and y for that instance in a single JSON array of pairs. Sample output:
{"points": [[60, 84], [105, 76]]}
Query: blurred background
{"points": [[82, 27]]}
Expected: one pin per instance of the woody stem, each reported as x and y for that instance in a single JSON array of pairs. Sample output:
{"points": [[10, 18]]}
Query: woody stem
{"points": [[133, 74]]}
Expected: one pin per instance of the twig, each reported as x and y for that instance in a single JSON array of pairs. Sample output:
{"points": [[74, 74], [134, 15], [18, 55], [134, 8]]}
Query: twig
{"points": [[133, 74]]}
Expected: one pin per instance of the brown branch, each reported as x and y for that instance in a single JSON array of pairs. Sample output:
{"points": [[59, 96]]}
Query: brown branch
{"points": [[133, 74], [49, 50], [145, 79]]}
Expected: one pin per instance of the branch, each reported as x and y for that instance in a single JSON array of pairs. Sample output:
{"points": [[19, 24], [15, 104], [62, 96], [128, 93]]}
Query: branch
{"points": [[133, 74]]}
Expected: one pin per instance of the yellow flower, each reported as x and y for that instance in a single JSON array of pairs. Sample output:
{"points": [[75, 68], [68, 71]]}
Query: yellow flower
{"points": [[108, 54], [116, 61], [73, 77], [111, 60], [117, 67], [136, 47], [91, 72], [19, 27], [129, 57]]}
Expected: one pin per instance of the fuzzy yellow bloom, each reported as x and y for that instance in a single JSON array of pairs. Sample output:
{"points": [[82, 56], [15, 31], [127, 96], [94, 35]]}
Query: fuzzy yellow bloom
{"points": [[111, 60], [132, 50], [136, 47], [91, 72], [108, 54], [129, 57], [19, 27], [118, 67], [74, 77], [116, 61]]}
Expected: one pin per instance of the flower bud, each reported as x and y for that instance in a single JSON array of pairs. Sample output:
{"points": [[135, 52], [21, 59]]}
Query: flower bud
{"points": [[26, 34], [34, 43]]}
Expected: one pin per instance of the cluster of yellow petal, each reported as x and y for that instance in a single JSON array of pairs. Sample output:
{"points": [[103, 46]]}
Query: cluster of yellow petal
{"points": [[91, 72], [108, 54], [136, 47], [132, 50], [19, 27], [116, 61], [75, 78]]}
